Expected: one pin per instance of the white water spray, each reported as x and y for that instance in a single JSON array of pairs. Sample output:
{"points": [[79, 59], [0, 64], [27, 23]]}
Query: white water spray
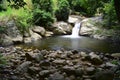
{"points": [[75, 30]]}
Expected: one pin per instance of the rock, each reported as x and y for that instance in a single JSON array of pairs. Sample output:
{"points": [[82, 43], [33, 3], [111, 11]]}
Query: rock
{"points": [[32, 38], [60, 62], [72, 19], [23, 67], [33, 70], [104, 75], [13, 78], [48, 33], [45, 63], [53, 55], [13, 32], [56, 76], [36, 56], [27, 40], [44, 73], [98, 36], [88, 26], [29, 56], [69, 70], [35, 37], [95, 59], [116, 55], [90, 70], [39, 30], [109, 65], [62, 28], [6, 40], [79, 72], [83, 54]]}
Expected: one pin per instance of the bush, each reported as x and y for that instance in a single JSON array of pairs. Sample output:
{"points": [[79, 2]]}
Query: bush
{"points": [[110, 17], [42, 18], [3, 5], [46, 5], [62, 12], [23, 19]]}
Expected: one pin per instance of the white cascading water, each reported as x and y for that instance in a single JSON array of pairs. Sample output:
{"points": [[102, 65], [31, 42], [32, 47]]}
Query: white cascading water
{"points": [[75, 30]]}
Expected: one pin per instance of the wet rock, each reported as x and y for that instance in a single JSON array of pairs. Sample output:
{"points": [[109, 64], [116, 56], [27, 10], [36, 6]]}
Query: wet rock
{"points": [[56, 76], [23, 67]]}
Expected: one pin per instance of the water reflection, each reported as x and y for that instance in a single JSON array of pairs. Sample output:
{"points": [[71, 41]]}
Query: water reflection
{"points": [[79, 43]]}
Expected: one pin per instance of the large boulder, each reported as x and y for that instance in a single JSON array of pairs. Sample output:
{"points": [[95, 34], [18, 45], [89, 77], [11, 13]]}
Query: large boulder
{"points": [[73, 19], [88, 26], [12, 34], [5, 40], [62, 28], [32, 38], [39, 30]]}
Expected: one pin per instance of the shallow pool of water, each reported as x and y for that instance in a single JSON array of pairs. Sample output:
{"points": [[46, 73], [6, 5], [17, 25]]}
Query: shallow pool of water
{"points": [[76, 43]]}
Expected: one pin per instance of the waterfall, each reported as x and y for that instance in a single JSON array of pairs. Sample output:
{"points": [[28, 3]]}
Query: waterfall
{"points": [[76, 29]]}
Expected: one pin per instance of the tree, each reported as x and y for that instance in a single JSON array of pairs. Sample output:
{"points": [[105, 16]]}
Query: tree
{"points": [[117, 8]]}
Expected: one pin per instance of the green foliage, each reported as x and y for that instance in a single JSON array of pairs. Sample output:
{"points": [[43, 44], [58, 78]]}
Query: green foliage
{"points": [[23, 20], [110, 15], [42, 18], [2, 5], [62, 12], [16, 3], [86, 7], [46, 5], [22, 17], [43, 12]]}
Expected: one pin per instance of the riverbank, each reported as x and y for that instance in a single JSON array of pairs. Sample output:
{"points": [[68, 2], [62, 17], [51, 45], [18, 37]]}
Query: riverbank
{"points": [[28, 64]]}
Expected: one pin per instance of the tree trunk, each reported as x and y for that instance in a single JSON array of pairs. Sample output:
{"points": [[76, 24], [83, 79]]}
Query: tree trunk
{"points": [[117, 9]]}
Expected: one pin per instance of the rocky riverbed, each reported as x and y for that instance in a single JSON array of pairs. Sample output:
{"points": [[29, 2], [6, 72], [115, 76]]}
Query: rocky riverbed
{"points": [[28, 64]]}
